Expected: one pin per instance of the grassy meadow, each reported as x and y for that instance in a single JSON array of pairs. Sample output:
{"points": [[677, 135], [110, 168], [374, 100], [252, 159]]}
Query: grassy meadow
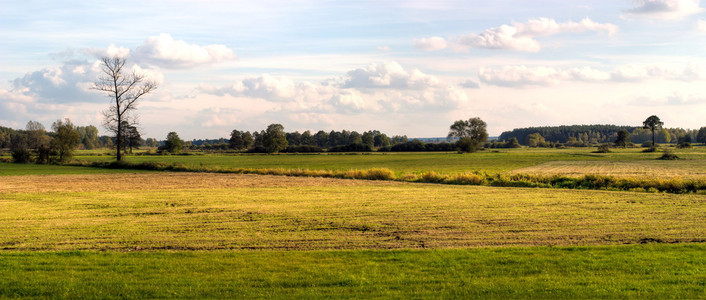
{"points": [[81, 232], [623, 162]]}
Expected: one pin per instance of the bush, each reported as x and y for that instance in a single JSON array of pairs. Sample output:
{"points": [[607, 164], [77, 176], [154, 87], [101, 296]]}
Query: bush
{"points": [[21, 156], [668, 155], [605, 148], [650, 149], [432, 177]]}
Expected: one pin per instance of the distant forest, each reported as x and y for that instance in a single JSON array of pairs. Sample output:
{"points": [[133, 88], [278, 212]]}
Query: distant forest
{"points": [[585, 135]]}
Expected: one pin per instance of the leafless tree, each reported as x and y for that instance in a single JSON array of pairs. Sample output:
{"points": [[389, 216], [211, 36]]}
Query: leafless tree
{"points": [[123, 88]]}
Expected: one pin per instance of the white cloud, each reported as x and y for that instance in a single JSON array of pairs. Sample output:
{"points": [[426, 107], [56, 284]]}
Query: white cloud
{"points": [[388, 75], [430, 44], [166, 52], [520, 76], [383, 48], [349, 100], [665, 9], [470, 84], [385, 86], [518, 36]]}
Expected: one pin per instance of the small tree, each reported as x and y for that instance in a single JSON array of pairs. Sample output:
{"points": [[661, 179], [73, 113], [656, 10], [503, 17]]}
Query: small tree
{"points": [[474, 129], [236, 140], [536, 140], [173, 144], [513, 143], [684, 141], [701, 136], [66, 139], [36, 135], [623, 138], [123, 89], [652, 123], [274, 139], [151, 142]]}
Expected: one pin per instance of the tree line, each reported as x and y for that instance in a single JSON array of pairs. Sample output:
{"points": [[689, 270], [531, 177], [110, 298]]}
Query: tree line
{"points": [[591, 135]]}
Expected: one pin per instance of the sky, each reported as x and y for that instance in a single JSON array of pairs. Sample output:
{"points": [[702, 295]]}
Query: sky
{"points": [[402, 67]]}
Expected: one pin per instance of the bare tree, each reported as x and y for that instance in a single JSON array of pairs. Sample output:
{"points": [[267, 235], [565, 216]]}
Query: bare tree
{"points": [[123, 88]]}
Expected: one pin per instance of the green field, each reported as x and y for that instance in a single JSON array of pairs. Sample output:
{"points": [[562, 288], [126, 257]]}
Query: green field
{"points": [[637, 271], [491, 161], [79, 232]]}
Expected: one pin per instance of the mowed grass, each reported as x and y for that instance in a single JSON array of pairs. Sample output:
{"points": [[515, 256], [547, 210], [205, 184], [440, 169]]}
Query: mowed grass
{"points": [[490, 161], [692, 169], [186, 211], [635, 271], [12, 169]]}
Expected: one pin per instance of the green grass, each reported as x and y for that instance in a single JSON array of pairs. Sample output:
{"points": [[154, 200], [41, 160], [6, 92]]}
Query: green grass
{"points": [[491, 161], [637, 271], [12, 169]]}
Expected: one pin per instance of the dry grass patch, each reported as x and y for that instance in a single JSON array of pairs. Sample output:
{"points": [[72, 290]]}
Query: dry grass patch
{"points": [[687, 169], [220, 211]]}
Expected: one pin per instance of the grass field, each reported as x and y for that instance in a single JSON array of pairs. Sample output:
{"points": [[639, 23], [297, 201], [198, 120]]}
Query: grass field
{"points": [[491, 161], [635, 271], [76, 232], [216, 211]]}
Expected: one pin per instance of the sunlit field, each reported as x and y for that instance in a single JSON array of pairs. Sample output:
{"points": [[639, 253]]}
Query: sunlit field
{"points": [[82, 232], [620, 161]]}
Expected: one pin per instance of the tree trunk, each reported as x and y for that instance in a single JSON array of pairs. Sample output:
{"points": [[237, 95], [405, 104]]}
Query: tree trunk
{"points": [[653, 137], [119, 139]]}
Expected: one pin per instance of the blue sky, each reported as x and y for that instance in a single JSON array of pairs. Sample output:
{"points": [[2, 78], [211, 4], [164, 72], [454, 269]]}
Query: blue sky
{"points": [[402, 67]]}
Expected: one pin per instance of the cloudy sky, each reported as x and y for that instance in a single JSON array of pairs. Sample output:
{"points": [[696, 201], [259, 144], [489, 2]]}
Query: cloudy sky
{"points": [[402, 67]]}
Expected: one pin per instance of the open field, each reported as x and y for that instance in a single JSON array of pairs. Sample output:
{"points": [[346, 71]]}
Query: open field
{"points": [[10, 169], [631, 162], [648, 168], [77, 232], [633, 271], [219, 211]]}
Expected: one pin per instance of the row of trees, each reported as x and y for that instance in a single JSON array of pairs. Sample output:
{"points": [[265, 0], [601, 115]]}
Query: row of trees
{"points": [[36, 144], [590, 135], [275, 139]]}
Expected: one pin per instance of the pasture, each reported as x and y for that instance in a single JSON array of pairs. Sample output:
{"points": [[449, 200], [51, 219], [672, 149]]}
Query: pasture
{"points": [[80, 232], [630, 162]]}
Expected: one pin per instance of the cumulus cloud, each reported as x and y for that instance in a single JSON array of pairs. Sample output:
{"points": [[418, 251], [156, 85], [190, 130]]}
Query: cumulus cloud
{"points": [[470, 84], [69, 83], [430, 44], [518, 36], [388, 75], [165, 51], [665, 9], [520, 76], [517, 76], [375, 88]]}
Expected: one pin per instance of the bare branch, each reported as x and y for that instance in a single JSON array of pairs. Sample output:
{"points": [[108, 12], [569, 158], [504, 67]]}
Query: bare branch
{"points": [[124, 90]]}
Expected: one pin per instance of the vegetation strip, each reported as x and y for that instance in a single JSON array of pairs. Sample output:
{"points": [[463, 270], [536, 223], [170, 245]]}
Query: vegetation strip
{"points": [[636, 271], [589, 181]]}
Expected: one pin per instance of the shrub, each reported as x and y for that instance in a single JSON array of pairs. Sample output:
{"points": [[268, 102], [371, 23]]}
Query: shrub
{"points": [[21, 155], [668, 155], [468, 178], [432, 177], [605, 148], [650, 149]]}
